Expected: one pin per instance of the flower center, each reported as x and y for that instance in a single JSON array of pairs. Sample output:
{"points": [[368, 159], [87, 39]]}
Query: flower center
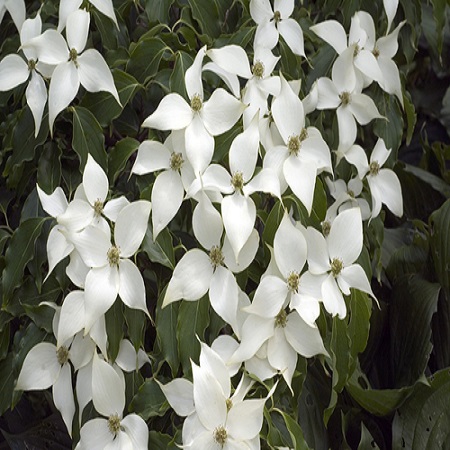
{"points": [[326, 227], [113, 256], [351, 193], [293, 280], [31, 64], [258, 69], [62, 354], [281, 319], [237, 181], [216, 256], [220, 435], [277, 16], [345, 98], [356, 51], [376, 52], [176, 161], [229, 404], [114, 424], [374, 168], [336, 267], [303, 134], [98, 207], [293, 145], [196, 103]]}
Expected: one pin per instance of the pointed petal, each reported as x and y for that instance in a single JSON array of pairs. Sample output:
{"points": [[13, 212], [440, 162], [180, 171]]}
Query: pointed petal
{"points": [[343, 71], [221, 112], [137, 431], [106, 7], [93, 245], [199, 145], [357, 156], [71, 317], [151, 156], [390, 82], [304, 339], [380, 153], [261, 10], [239, 214], [318, 260], [128, 234], [368, 65], [207, 223], [293, 35], [64, 86], [50, 47], [95, 435], [57, 248], [266, 35], [13, 72], [180, 395], [167, 196], [83, 388], [77, 29], [112, 209], [225, 345], [36, 95], [332, 297], [346, 125], [17, 11], [53, 204], [99, 336], [245, 419], [232, 58], [191, 277], [77, 216], [81, 351], [127, 358], [65, 8], [308, 307], [63, 396], [333, 33], [385, 188], [193, 75], [265, 181], [246, 255], [40, 368], [281, 355], [327, 94], [95, 181], [269, 298], [354, 277], [213, 363], [390, 6], [77, 270], [230, 79], [173, 113], [363, 108], [131, 289], [108, 389], [289, 246]]}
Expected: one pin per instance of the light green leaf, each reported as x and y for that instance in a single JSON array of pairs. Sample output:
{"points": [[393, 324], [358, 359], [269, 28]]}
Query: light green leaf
{"points": [[161, 250], [295, 432]]}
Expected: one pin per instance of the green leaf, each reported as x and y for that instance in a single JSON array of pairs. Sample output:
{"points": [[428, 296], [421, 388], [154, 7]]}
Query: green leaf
{"points": [[272, 223], [411, 117], [367, 440], [114, 328], [160, 251], [104, 106], [149, 401], [207, 14], [435, 182], [20, 251], [7, 384], [145, 58], [193, 319], [119, 155], [295, 432], [423, 421], [390, 128], [440, 244], [88, 137], [135, 320], [158, 10], [160, 441], [49, 167], [183, 61], [414, 301]]}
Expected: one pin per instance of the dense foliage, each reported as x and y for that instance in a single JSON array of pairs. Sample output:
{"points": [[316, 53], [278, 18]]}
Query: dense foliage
{"points": [[225, 224]]}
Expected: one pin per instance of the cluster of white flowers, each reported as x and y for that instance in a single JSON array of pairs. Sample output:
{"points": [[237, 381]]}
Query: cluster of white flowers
{"points": [[276, 151]]}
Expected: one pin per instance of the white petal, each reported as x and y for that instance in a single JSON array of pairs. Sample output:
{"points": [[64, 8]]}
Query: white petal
{"points": [[363, 108], [127, 358], [77, 29], [269, 298], [385, 188], [93, 245], [301, 178], [265, 181], [128, 234], [318, 261], [346, 236], [357, 156], [343, 71], [246, 255], [13, 72], [305, 339], [108, 389], [58, 247], [106, 7], [380, 153], [84, 388], [239, 214], [99, 336], [102, 286], [180, 395], [36, 95], [209, 398], [40, 368], [232, 58], [207, 223], [288, 124], [332, 297], [77, 216], [199, 145], [390, 6], [215, 177], [63, 396], [388, 45], [333, 33], [281, 355], [308, 307], [65, 8], [212, 362], [77, 270], [53, 204], [390, 82], [230, 79], [293, 35], [81, 351], [285, 7], [173, 113], [346, 125], [112, 209], [191, 277], [71, 317], [50, 47], [261, 10], [137, 430], [221, 112], [95, 181], [327, 94], [95, 435], [223, 295], [193, 76], [151, 156], [289, 246], [368, 65], [132, 289], [167, 196], [225, 345], [17, 10], [64, 86], [266, 35], [245, 419], [120, 442], [355, 277]]}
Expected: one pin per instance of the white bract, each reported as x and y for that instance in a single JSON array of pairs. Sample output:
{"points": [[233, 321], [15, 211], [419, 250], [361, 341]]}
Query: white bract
{"points": [[66, 7], [16, 9]]}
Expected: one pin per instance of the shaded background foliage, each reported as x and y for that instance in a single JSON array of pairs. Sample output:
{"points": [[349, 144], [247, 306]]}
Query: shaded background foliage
{"points": [[391, 377]]}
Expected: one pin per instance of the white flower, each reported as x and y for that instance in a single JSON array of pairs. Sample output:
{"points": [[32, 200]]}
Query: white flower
{"points": [[276, 21], [17, 10], [74, 66], [14, 70]]}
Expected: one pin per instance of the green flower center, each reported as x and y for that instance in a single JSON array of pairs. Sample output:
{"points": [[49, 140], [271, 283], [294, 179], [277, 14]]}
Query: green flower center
{"points": [[216, 256], [31, 64], [62, 354], [303, 134], [293, 281], [98, 207], [336, 267], [345, 98], [220, 435], [176, 161], [277, 16], [374, 168], [258, 69], [237, 181], [281, 319], [114, 424], [113, 256], [293, 145], [196, 103], [326, 227], [356, 51]]}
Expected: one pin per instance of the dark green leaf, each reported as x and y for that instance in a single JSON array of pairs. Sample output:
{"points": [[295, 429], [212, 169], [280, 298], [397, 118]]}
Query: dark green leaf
{"points": [[440, 244], [160, 441], [183, 61], [295, 432], [119, 155], [49, 168], [88, 137], [161, 250], [158, 10], [135, 320], [7, 384], [272, 223], [114, 328], [149, 401], [20, 251], [367, 440], [207, 14]]}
